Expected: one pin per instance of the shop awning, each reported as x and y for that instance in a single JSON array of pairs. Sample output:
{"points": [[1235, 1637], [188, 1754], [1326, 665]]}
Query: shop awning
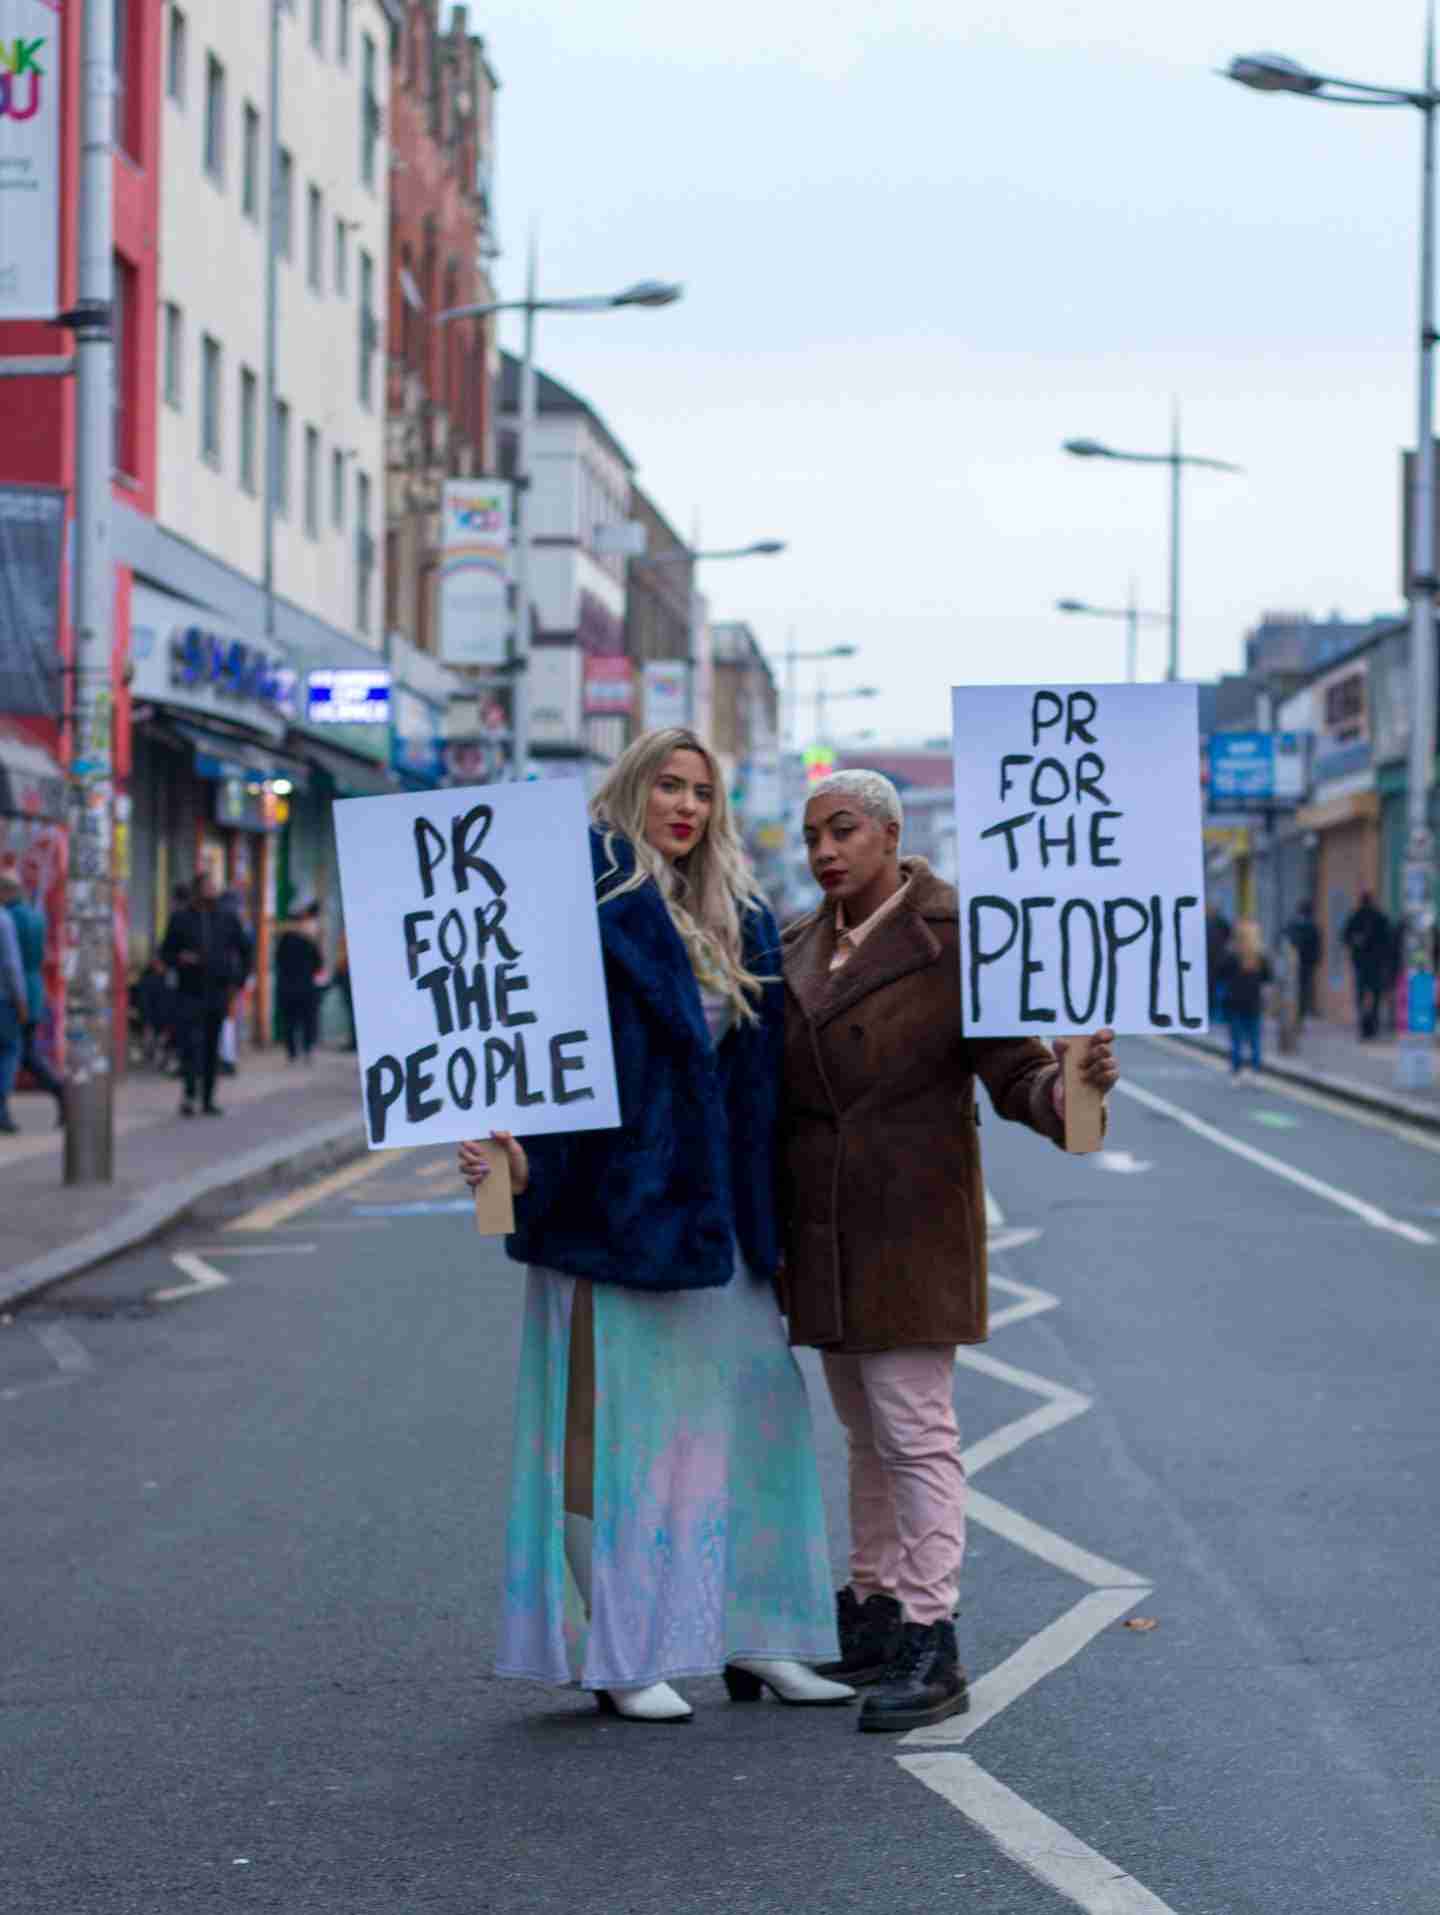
{"points": [[220, 755]]}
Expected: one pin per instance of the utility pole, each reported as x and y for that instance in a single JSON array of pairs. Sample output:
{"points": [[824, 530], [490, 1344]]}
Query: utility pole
{"points": [[272, 325], [90, 794]]}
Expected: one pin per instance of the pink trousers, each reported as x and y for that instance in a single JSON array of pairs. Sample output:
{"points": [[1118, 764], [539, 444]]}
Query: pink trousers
{"points": [[907, 1483]]}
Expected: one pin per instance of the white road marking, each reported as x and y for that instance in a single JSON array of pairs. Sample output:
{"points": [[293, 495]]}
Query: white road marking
{"points": [[1048, 1851], [445, 1168], [1056, 1550], [994, 1215], [255, 1249], [1123, 1162], [1011, 1238], [1033, 1302], [281, 1209], [1032, 1662], [66, 1351], [1062, 1406], [1357, 1206], [203, 1276], [1302, 1094]]}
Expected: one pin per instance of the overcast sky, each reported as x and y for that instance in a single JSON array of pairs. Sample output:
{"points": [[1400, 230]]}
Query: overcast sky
{"points": [[923, 241]]}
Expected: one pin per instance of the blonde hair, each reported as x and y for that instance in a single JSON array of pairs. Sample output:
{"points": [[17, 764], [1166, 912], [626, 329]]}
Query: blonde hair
{"points": [[708, 891], [1249, 945]]}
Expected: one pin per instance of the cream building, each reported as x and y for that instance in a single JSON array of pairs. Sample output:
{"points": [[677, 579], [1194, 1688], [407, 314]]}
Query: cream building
{"points": [[332, 224]]}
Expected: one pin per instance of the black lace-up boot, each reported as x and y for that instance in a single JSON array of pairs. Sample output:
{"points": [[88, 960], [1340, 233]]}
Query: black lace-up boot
{"points": [[924, 1684], [869, 1637]]}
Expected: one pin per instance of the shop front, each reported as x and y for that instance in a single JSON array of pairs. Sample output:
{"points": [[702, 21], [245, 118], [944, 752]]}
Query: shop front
{"points": [[1347, 863]]}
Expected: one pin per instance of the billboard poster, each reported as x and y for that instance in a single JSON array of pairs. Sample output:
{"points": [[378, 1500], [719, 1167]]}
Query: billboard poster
{"points": [[476, 538], [1253, 769], [30, 76], [609, 688], [666, 694]]}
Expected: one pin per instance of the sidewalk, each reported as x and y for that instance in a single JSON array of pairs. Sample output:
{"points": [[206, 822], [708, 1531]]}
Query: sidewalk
{"points": [[1332, 1058], [281, 1121]]}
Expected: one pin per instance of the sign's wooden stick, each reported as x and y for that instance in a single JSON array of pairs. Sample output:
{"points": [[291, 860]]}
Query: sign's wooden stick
{"points": [[494, 1201], [1084, 1105]]}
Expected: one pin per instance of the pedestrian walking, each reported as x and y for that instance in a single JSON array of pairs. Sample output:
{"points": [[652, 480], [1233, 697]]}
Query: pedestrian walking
{"points": [[663, 1445], [885, 1250], [13, 1011], [1302, 934], [211, 958], [29, 922], [299, 963], [229, 1054], [340, 978], [1217, 942], [1366, 935], [1245, 971]]}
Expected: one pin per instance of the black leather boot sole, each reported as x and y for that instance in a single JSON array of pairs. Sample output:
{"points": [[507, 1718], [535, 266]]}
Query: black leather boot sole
{"points": [[857, 1678], [883, 1722]]}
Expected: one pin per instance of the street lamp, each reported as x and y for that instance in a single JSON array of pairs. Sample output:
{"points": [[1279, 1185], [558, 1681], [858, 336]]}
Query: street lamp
{"points": [[645, 292], [1132, 616], [791, 657], [823, 698], [757, 549], [1175, 459], [1273, 73]]}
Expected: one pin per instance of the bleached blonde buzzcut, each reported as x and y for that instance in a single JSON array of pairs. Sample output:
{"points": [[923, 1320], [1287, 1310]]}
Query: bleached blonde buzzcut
{"points": [[871, 790]]}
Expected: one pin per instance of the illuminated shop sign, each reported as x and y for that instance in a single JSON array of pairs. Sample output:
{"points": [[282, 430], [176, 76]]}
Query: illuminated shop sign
{"points": [[348, 697]]}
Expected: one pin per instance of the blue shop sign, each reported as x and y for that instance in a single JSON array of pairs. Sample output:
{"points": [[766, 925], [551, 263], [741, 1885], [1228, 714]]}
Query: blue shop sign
{"points": [[348, 697], [1251, 769]]}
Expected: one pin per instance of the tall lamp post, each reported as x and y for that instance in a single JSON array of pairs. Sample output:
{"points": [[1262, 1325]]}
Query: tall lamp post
{"points": [[823, 699], [1177, 461], [791, 657], [1273, 73], [646, 292], [758, 548], [1134, 618]]}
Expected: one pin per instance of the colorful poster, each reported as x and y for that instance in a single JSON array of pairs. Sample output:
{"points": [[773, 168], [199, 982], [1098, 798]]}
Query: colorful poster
{"points": [[609, 687], [30, 76], [476, 539], [667, 694], [1082, 894]]}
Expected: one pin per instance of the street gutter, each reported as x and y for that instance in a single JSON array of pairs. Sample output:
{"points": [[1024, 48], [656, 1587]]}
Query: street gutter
{"points": [[290, 1159]]}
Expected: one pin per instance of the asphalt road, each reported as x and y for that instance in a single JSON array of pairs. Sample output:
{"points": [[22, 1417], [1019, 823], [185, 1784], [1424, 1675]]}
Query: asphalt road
{"points": [[253, 1540]]}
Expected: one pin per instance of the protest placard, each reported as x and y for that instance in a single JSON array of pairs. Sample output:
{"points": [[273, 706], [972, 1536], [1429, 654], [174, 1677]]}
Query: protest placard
{"points": [[475, 963], [1081, 870]]}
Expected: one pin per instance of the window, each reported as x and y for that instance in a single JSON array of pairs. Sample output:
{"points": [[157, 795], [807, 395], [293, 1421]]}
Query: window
{"points": [[342, 258], [126, 25], [177, 57], [315, 239], [215, 119], [312, 483], [364, 552], [337, 490], [317, 25], [210, 400], [284, 204], [369, 329], [125, 451], [342, 32], [249, 431], [369, 112], [250, 162], [173, 347], [280, 460]]}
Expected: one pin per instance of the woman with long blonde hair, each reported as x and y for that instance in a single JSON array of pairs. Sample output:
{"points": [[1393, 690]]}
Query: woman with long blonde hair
{"points": [[665, 1514]]}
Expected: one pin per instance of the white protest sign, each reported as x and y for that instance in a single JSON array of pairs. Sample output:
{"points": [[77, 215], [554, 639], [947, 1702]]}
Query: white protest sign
{"points": [[1081, 869], [475, 963]]}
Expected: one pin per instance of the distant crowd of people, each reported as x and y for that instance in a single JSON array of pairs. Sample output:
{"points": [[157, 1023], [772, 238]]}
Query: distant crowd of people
{"points": [[184, 1002], [1240, 968]]}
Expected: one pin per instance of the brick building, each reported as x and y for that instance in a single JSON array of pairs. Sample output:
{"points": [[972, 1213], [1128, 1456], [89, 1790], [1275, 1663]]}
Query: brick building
{"points": [[442, 240]]}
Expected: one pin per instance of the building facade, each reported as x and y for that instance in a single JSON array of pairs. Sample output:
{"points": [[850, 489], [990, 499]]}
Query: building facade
{"points": [[440, 376]]}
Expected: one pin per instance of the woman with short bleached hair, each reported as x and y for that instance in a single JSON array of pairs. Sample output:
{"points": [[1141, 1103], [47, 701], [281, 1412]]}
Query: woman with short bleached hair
{"points": [[663, 1448], [885, 1245]]}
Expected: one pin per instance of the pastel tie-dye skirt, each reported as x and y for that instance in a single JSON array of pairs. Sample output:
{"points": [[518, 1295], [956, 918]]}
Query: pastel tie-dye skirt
{"points": [[709, 1535]]}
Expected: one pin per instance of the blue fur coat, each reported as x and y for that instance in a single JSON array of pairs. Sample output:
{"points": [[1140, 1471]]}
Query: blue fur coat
{"points": [[660, 1203]]}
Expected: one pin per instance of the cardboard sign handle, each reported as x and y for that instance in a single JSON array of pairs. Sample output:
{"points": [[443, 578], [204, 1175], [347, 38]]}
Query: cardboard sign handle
{"points": [[1084, 1106], [494, 1200]]}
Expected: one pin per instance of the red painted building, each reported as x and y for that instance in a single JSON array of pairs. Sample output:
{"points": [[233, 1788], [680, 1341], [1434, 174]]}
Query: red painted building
{"points": [[37, 450], [439, 421]]}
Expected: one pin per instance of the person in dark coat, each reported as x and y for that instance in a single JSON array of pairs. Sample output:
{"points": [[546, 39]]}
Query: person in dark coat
{"points": [[299, 963], [885, 1247], [1217, 942], [1302, 934], [1367, 936], [663, 1448], [209, 951], [29, 922]]}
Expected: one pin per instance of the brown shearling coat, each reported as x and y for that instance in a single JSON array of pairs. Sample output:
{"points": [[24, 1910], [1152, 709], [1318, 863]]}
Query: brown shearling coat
{"points": [[885, 1243]]}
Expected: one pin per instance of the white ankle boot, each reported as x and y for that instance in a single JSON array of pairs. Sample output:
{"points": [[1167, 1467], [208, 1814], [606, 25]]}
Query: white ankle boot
{"points": [[657, 1702], [789, 1681]]}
